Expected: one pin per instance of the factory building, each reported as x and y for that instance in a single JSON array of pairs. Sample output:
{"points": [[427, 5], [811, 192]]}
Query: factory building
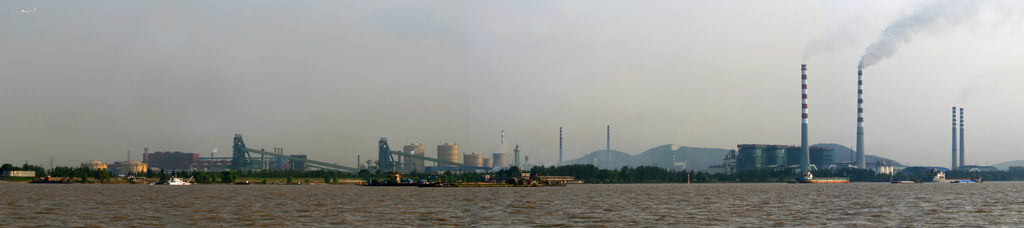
{"points": [[131, 167], [413, 164], [94, 165], [775, 156], [487, 163], [448, 152], [750, 156], [297, 165], [760, 156], [172, 160]]}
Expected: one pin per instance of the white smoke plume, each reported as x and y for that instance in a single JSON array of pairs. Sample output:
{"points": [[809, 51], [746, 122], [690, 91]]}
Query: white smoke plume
{"points": [[33, 10], [930, 17]]}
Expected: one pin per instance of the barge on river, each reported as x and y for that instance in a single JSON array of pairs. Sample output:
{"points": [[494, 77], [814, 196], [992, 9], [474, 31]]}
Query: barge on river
{"points": [[808, 178]]}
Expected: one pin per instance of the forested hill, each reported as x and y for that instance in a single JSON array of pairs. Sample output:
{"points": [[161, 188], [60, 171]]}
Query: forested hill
{"points": [[661, 156]]}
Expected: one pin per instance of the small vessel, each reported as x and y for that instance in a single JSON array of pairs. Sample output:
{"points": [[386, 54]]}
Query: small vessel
{"points": [[175, 181], [809, 178], [503, 182], [394, 179], [935, 176], [48, 180]]}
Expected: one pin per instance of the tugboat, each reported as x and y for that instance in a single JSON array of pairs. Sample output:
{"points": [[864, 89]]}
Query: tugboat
{"points": [[809, 178]]}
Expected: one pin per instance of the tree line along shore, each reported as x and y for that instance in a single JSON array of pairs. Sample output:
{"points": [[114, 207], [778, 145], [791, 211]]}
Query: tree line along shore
{"points": [[585, 172]]}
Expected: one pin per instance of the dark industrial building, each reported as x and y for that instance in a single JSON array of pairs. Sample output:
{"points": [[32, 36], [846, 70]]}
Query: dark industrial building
{"points": [[172, 160], [297, 165], [759, 156]]}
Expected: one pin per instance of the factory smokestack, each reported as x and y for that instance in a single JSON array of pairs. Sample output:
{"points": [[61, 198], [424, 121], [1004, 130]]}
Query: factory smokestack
{"points": [[608, 148], [961, 137], [860, 121], [954, 139], [559, 146], [804, 150], [502, 137]]}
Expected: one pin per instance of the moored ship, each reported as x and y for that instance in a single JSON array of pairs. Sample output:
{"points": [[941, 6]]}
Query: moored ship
{"points": [[809, 178]]}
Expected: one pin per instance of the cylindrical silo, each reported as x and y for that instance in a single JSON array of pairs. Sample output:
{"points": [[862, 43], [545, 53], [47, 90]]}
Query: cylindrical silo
{"points": [[474, 159], [448, 152], [132, 167], [487, 162], [415, 165], [94, 165], [499, 160]]}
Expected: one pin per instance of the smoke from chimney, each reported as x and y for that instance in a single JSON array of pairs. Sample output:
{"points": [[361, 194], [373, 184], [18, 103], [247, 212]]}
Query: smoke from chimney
{"points": [[930, 18]]}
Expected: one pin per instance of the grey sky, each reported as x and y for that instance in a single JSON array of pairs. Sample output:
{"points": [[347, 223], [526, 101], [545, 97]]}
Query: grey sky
{"points": [[85, 81]]}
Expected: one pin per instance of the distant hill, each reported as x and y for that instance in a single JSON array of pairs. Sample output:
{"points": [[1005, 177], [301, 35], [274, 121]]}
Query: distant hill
{"points": [[845, 153], [696, 158], [661, 156], [1006, 165]]}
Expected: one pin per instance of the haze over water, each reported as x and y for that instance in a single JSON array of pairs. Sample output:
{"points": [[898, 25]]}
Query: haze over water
{"points": [[612, 205]]}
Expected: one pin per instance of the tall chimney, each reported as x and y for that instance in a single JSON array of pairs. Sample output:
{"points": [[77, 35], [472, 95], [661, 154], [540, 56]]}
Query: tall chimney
{"points": [[805, 161], [954, 139], [608, 148], [961, 137], [502, 137], [860, 121], [559, 146]]}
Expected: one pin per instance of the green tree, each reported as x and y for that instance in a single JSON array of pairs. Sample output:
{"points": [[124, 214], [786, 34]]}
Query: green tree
{"points": [[85, 177], [164, 177], [289, 180], [228, 177], [264, 181], [327, 179]]}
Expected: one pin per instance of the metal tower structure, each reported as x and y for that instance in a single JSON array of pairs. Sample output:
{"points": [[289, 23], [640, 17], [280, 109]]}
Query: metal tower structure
{"points": [[385, 161], [240, 158]]}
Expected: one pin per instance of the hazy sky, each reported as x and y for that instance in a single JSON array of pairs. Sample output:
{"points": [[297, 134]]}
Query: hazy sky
{"points": [[93, 80]]}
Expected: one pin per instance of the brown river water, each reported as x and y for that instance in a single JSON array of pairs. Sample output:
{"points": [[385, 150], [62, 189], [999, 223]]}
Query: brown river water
{"points": [[594, 205]]}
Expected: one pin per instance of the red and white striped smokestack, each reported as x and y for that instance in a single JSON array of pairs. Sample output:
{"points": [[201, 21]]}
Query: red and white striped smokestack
{"points": [[961, 137], [953, 167], [805, 159], [860, 121]]}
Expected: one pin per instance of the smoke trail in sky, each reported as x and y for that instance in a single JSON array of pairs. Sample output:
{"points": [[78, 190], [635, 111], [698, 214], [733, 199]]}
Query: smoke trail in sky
{"points": [[928, 18]]}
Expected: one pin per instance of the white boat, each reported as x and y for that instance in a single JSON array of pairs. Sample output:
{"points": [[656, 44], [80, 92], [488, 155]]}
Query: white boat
{"points": [[175, 181], [178, 181]]}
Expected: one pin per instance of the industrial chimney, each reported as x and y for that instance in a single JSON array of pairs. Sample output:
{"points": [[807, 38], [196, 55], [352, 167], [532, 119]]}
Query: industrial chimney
{"points": [[559, 145], [804, 149], [860, 121], [608, 148], [961, 137], [954, 139]]}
